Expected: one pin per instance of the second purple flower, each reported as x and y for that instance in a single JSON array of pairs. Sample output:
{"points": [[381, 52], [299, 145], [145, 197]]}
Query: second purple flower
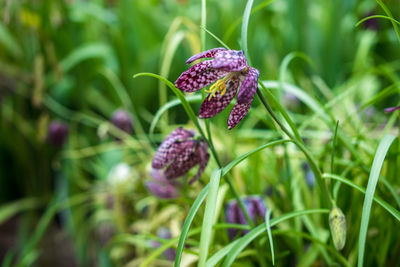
{"points": [[179, 152], [229, 70]]}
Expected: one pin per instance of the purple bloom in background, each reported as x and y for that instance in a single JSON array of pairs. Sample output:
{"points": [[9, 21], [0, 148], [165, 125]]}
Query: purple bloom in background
{"points": [[392, 109], [308, 174], [179, 152], [161, 187], [229, 70], [371, 24], [57, 133], [255, 207], [164, 233], [123, 120]]}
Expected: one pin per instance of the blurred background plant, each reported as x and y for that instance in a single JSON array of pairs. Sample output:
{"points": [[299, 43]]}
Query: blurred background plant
{"points": [[77, 132]]}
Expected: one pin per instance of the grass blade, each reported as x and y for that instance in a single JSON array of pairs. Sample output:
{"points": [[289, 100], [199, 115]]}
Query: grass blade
{"points": [[208, 219], [268, 226], [188, 221], [245, 24], [369, 195], [244, 241], [236, 161]]}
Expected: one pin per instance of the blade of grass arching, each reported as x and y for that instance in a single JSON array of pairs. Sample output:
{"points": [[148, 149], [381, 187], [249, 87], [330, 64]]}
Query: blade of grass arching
{"points": [[245, 24], [172, 45], [208, 218], [377, 17], [387, 11], [255, 232], [216, 38], [212, 261], [388, 91], [268, 226], [169, 105], [235, 24], [333, 251], [389, 208], [188, 221], [236, 161], [181, 97], [10, 209], [380, 155], [392, 191]]}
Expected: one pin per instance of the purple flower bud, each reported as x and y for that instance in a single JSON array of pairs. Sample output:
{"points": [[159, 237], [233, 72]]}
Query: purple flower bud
{"points": [[230, 73], [123, 120], [161, 187], [371, 24], [392, 109], [179, 152], [308, 175], [165, 233], [57, 133], [254, 206]]}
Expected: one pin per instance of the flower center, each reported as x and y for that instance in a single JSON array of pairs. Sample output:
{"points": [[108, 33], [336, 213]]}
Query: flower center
{"points": [[220, 86]]}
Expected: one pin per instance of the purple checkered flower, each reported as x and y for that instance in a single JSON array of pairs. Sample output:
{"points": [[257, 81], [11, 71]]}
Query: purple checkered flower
{"points": [[161, 187], [122, 120], [229, 70], [179, 152], [255, 207], [392, 109], [57, 133]]}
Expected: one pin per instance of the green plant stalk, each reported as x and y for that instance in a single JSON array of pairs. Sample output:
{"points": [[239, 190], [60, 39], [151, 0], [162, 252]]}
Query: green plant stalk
{"points": [[326, 198]]}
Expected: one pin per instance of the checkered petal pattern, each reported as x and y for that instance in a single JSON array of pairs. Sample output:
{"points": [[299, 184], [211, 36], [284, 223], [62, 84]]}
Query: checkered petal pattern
{"points": [[230, 60], [248, 87], [211, 107], [232, 66], [206, 54], [171, 147], [198, 76]]}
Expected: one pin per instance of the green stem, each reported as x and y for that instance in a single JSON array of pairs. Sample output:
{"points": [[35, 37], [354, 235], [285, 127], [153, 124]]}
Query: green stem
{"points": [[326, 199]]}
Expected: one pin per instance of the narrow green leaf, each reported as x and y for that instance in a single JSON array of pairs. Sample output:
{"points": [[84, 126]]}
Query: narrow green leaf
{"points": [[208, 219], [245, 24], [268, 226], [169, 105], [378, 200], [380, 155], [188, 221], [377, 17], [216, 38], [181, 97], [10, 209], [236, 161], [253, 234], [9, 42]]}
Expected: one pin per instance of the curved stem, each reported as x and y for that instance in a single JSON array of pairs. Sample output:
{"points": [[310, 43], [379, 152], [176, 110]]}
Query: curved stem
{"points": [[326, 198]]}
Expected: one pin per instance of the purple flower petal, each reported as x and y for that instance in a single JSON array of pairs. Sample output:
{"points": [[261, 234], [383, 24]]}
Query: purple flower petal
{"points": [[198, 76], [211, 107], [203, 157], [206, 54], [179, 168], [165, 191], [248, 87], [392, 109], [229, 60], [237, 114], [170, 147]]}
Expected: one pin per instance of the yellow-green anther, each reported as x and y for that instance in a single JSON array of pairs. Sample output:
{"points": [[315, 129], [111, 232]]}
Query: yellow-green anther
{"points": [[337, 223]]}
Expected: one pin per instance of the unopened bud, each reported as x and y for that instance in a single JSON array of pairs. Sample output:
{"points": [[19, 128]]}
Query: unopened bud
{"points": [[337, 223]]}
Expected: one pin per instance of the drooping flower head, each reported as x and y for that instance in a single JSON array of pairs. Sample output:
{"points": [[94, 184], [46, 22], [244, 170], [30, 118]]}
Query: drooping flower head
{"points": [[57, 133], [161, 187], [122, 120], [179, 152], [229, 70], [255, 207], [391, 109]]}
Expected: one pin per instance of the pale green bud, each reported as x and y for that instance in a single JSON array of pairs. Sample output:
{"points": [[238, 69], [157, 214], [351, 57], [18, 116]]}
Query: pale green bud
{"points": [[337, 223]]}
